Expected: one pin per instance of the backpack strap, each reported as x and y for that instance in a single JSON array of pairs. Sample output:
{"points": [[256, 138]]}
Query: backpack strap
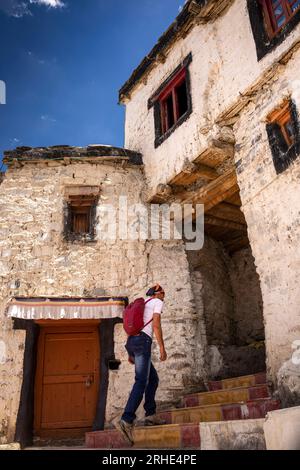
{"points": [[147, 323], [151, 318]]}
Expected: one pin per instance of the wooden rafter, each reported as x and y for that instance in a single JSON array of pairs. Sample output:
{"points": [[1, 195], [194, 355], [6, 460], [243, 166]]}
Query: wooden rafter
{"points": [[210, 220], [227, 211], [192, 173], [236, 243], [235, 199], [214, 192]]}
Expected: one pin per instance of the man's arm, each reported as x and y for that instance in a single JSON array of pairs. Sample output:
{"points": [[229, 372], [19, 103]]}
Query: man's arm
{"points": [[159, 336]]}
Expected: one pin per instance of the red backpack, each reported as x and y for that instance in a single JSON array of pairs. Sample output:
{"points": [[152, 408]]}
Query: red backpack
{"points": [[133, 316]]}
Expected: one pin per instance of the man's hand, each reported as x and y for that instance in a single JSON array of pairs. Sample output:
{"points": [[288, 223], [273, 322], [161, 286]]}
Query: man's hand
{"points": [[159, 336], [130, 360], [163, 354]]}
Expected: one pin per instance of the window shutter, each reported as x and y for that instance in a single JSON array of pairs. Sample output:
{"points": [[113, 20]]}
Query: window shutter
{"points": [[278, 146], [295, 127], [67, 220], [277, 142], [295, 121]]}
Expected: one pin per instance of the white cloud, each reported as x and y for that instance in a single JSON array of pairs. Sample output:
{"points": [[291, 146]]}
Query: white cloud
{"points": [[47, 118], [14, 142], [15, 8], [20, 8], [49, 3]]}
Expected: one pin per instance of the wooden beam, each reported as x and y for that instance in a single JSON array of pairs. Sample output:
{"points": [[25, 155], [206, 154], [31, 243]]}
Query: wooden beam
{"points": [[82, 191], [216, 154], [81, 204], [213, 202], [216, 189], [191, 173], [235, 200], [210, 220], [228, 212]]}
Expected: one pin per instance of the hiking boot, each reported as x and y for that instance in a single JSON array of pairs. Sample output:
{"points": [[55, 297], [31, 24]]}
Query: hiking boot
{"points": [[126, 429], [154, 420]]}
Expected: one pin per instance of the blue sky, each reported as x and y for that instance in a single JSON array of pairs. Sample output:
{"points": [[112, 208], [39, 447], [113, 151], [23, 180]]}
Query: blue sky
{"points": [[63, 62]]}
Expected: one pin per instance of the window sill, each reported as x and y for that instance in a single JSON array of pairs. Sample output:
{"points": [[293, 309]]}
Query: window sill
{"points": [[282, 164], [80, 239]]}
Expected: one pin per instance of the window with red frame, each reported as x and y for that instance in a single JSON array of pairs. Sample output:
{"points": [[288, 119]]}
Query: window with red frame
{"points": [[278, 13], [284, 135], [173, 101]]}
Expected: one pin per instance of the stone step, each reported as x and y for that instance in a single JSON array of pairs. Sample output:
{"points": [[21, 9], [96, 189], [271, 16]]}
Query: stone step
{"points": [[226, 396], [236, 382], [244, 434], [174, 436], [252, 409]]}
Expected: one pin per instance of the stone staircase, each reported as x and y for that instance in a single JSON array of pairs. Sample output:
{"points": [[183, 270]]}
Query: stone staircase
{"points": [[235, 400]]}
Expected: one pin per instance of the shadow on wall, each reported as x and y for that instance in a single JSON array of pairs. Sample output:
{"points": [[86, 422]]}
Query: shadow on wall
{"points": [[234, 361]]}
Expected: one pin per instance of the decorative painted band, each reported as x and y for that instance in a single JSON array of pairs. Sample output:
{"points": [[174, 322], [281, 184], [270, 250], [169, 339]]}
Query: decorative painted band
{"points": [[176, 436], [244, 381], [226, 396], [57, 309], [221, 412]]}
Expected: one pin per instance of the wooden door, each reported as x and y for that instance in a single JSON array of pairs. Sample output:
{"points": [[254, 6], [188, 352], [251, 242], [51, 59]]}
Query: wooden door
{"points": [[67, 379]]}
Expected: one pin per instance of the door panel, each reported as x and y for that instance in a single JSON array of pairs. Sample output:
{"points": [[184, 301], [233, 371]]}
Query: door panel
{"points": [[67, 379]]}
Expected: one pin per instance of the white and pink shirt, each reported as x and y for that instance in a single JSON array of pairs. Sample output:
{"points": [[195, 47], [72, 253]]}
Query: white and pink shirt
{"points": [[151, 307]]}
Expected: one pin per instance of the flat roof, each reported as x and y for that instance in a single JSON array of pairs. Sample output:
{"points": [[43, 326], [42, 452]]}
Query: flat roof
{"points": [[186, 14], [61, 152]]}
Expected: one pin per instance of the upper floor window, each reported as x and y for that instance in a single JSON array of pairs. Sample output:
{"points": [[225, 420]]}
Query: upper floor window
{"points": [[278, 13], [172, 102], [271, 22], [284, 136]]}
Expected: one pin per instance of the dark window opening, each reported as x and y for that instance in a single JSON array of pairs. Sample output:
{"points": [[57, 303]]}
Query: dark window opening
{"points": [[182, 99], [167, 113], [289, 131], [172, 102], [80, 217], [284, 135]]}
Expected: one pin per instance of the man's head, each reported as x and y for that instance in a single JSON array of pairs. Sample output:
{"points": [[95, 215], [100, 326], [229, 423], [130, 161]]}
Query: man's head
{"points": [[156, 292]]}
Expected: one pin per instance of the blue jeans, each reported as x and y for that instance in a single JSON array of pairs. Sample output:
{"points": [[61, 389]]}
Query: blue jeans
{"points": [[146, 378]]}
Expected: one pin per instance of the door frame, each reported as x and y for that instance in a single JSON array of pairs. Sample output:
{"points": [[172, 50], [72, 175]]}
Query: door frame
{"points": [[59, 326], [25, 417]]}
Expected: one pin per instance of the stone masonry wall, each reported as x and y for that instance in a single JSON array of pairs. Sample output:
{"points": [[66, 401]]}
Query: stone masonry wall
{"points": [[36, 261], [216, 289], [271, 206], [247, 298]]}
